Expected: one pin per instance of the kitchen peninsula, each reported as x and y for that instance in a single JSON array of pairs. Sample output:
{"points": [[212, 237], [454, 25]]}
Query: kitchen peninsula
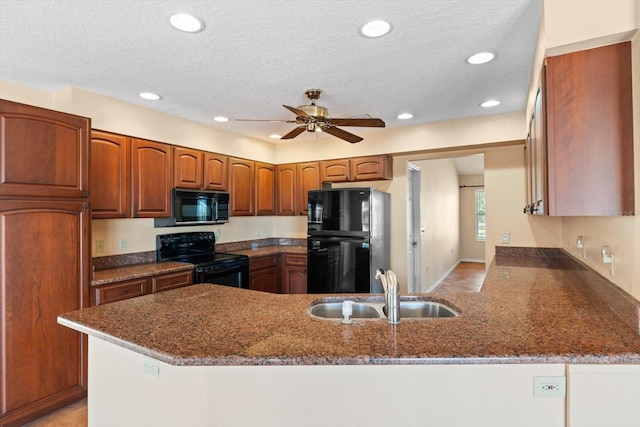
{"points": [[213, 355]]}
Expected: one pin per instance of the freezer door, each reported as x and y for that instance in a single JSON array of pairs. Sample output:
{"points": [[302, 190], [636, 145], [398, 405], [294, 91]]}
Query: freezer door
{"points": [[340, 211], [337, 265]]}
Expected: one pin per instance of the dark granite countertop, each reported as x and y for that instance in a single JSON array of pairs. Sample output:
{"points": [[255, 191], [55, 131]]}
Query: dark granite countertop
{"points": [[526, 312], [112, 275], [270, 250]]}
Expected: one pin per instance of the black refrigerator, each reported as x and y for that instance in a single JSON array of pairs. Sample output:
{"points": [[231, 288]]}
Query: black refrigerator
{"points": [[348, 240]]}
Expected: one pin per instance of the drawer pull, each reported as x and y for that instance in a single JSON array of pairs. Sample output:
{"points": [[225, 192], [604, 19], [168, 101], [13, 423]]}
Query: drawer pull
{"points": [[124, 292]]}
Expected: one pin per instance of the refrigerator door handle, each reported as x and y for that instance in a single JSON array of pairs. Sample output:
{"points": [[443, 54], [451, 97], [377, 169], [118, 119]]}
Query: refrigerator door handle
{"points": [[339, 239]]}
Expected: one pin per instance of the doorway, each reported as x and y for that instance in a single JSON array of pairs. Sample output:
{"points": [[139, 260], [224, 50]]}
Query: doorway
{"points": [[413, 229]]}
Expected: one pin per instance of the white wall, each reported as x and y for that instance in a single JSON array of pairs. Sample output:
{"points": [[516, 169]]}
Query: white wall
{"points": [[439, 220], [470, 248]]}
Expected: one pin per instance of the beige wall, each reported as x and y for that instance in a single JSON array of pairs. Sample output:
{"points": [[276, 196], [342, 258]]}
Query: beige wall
{"points": [[439, 220], [470, 248], [571, 25]]}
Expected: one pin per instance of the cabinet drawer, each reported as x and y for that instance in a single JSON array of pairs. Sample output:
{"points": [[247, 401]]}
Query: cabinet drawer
{"points": [[290, 259], [263, 262], [171, 281], [119, 291]]}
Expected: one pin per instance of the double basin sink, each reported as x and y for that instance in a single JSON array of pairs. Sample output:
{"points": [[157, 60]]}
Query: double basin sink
{"points": [[410, 308]]}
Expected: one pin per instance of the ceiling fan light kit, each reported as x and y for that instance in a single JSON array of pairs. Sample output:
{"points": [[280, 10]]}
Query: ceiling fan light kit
{"points": [[315, 118]]}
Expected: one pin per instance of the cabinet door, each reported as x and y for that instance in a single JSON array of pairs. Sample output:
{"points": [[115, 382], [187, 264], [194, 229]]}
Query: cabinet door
{"points": [[265, 188], [187, 168], [336, 170], [44, 269], [286, 189], [308, 178], [110, 179], [370, 168], [43, 152], [263, 274], [241, 187], [589, 132], [171, 281], [294, 273], [151, 173], [119, 291], [215, 172], [539, 157]]}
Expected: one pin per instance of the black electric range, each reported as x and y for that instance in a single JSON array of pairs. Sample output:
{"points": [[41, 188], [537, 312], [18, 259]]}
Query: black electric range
{"points": [[198, 248]]}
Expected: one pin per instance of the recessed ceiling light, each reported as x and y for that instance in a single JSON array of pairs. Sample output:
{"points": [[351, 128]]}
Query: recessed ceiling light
{"points": [[221, 119], [275, 136], [405, 116], [481, 58], [187, 23], [149, 96], [376, 28], [490, 103]]}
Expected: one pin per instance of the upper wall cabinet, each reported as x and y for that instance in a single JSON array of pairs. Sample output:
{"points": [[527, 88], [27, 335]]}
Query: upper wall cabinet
{"points": [[579, 153], [241, 187], [110, 175], [199, 170], [286, 184], [308, 178], [187, 168], [265, 175], [368, 168], [216, 175], [151, 175], [44, 154]]}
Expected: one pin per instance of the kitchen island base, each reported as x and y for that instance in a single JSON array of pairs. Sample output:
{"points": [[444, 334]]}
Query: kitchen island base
{"points": [[123, 393]]}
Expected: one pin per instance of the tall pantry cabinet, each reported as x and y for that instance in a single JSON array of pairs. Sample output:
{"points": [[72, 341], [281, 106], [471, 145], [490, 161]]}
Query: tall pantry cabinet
{"points": [[44, 258]]}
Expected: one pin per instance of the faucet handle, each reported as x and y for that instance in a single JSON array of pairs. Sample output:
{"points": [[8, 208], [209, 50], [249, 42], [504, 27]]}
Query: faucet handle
{"points": [[347, 311]]}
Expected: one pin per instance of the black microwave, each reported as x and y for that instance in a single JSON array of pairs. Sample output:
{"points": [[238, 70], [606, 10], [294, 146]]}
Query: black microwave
{"points": [[195, 207]]}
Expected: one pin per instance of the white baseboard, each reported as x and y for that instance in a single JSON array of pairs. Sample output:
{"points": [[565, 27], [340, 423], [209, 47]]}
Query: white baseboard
{"points": [[481, 261], [441, 278]]}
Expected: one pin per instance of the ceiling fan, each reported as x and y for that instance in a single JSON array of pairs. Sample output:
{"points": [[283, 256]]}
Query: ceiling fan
{"points": [[315, 118]]}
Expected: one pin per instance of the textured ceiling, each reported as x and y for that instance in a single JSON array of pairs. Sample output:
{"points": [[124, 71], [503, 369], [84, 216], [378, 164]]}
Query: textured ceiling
{"points": [[254, 56]]}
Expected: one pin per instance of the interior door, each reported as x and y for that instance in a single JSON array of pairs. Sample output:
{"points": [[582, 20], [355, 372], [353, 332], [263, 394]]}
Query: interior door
{"points": [[413, 228]]}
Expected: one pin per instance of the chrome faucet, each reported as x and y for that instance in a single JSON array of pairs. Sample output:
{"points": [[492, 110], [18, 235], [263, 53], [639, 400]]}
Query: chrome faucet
{"points": [[391, 294]]}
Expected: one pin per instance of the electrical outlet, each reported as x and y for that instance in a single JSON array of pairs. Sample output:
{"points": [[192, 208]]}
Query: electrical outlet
{"points": [[150, 366], [505, 237], [549, 386], [123, 244], [99, 246], [216, 234]]}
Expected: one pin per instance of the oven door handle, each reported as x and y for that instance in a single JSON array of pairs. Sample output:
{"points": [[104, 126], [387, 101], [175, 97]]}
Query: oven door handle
{"points": [[206, 270]]}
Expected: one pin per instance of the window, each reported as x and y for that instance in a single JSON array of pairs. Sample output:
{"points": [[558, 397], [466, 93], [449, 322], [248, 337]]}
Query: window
{"points": [[481, 223]]}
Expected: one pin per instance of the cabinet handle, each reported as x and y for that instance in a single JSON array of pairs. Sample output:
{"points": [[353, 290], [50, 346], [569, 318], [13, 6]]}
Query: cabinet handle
{"points": [[124, 292]]}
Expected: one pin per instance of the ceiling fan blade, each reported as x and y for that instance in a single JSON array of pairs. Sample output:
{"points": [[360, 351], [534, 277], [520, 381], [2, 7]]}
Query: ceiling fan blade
{"points": [[365, 122], [259, 120], [298, 112], [342, 134], [297, 131]]}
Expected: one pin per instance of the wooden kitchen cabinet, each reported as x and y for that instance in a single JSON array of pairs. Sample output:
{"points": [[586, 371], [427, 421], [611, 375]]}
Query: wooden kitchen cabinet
{"points": [[286, 189], [263, 274], [126, 289], [168, 281], [241, 187], [216, 176], [335, 170], [294, 273], [44, 154], [308, 178], [151, 175], [44, 260], [119, 291], [370, 168], [586, 119], [265, 176], [187, 168], [110, 175]]}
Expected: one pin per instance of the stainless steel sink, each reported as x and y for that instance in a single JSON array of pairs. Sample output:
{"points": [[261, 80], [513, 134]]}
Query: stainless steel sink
{"points": [[409, 309], [419, 309], [333, 310]]}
